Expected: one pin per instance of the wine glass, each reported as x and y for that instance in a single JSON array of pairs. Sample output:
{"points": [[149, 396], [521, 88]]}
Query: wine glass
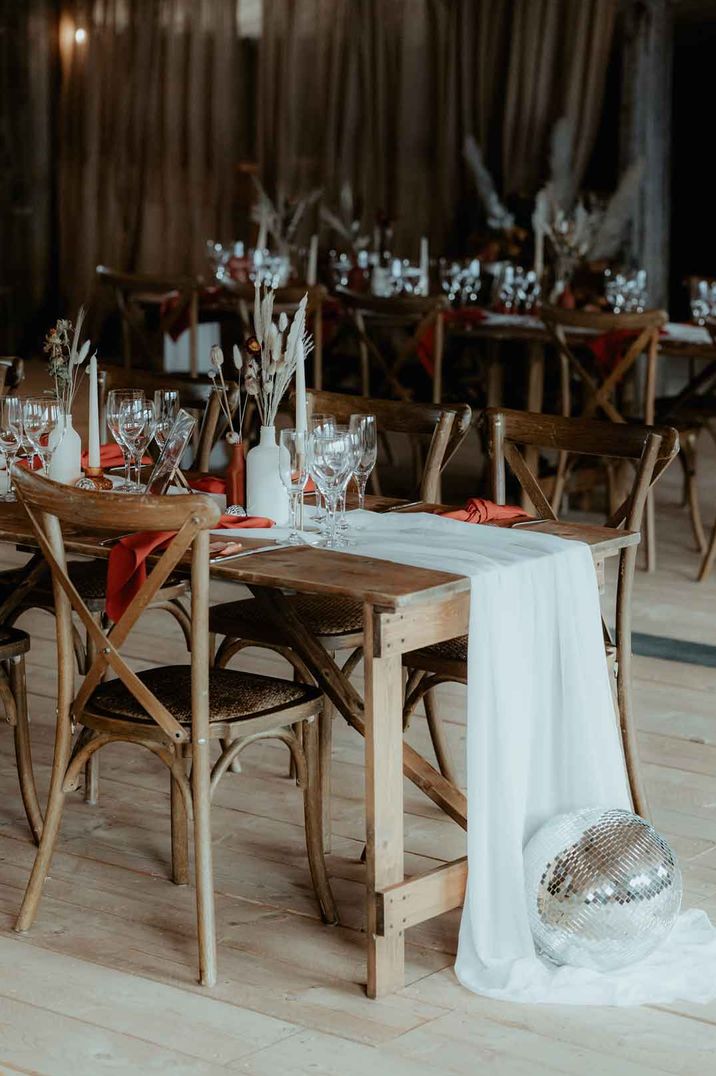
{"points": [[115, 399], [320, 421], [10, 437], [365, 429], [293, 468], [166, 405], [332, 461], [41, 417], [137, 423]]}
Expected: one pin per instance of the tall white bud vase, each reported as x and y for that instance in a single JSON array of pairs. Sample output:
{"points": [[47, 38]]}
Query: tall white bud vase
{"points": [[66, 464], [265, 492]]}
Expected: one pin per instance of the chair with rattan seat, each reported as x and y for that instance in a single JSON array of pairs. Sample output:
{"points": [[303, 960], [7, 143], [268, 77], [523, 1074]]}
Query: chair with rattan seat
{"points": [[175, 712], [14, 644], [338, 622], [650, 450]]}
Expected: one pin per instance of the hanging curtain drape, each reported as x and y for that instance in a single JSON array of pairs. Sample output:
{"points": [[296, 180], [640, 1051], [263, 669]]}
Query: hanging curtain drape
{"points": [[381, 93], [147, 135]]}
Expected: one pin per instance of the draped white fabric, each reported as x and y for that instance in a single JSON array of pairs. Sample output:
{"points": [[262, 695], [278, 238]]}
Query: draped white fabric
{"points": [[541, 739]]}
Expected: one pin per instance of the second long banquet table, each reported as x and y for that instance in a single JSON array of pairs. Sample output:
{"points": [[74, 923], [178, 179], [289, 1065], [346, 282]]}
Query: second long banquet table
{"points": [[404, 608]]}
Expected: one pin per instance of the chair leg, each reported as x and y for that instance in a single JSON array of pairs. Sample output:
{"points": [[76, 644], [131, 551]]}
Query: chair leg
{"points": [[650, 532], [437, 735], [325, 742], [91, 792], [180, 835], [707, 562], [23, 753], [41, 866], [688, 455], [313, 822], [201, 801]]}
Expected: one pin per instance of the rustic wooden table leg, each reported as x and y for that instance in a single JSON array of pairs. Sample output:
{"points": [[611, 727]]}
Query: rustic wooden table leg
{"points": [[384, 807], [535, 399]]}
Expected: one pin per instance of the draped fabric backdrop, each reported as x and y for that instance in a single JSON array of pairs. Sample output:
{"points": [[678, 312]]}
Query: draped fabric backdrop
{"points": [[149, 135], [381, 93]]}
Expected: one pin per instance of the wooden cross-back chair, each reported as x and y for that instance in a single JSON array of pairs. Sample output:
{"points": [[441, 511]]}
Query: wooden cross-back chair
{"points": [[12, 373], [134, 293], [443, 428], [286, 300], [631, 336], [335, 621], [415, 315], [651, 450], [174, 711]]}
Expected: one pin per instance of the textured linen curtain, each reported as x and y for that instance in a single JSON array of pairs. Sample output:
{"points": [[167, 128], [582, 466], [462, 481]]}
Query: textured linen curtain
{"points": [[147, 134], [382, 93]]}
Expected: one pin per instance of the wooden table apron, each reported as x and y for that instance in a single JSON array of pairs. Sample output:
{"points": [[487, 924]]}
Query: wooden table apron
{"points": [[404, 608]]}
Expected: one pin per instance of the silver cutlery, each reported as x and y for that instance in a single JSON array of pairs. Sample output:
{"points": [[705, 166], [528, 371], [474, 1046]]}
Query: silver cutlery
{"points": [[223, 558]]}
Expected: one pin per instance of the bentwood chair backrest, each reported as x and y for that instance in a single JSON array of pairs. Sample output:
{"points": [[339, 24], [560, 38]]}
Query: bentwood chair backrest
{"points": [[417, 314], [134, 291], [196, 395], [12, 372], [651, 449], [443, 427], [49, 506]]}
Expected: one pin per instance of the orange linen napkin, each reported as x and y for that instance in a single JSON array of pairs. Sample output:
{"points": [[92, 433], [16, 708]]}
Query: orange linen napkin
{"points": [[480, 510], [127, 565], [110, 455], [211, 483]]}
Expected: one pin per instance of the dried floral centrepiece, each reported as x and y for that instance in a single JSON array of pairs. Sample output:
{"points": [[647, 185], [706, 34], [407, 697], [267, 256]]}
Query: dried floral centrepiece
{"points": [[273, 352], [66, 358]]}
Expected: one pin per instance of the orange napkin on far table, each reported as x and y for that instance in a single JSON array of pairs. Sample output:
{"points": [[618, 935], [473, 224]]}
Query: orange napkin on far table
{"points": [[211, 483], [110, 455], [480, 510], [127, 565]]}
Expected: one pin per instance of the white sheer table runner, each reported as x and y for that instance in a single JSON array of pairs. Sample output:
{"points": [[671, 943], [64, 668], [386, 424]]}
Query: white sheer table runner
{"points": [[541, 739]]}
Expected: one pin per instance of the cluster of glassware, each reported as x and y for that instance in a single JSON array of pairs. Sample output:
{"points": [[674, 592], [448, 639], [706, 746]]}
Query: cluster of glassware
{"points": [[461, 281], [703, 300], [516, 290], [331, 454], [626, 290], [134, 422], [234, 263], [29, 427], [382, 274]]}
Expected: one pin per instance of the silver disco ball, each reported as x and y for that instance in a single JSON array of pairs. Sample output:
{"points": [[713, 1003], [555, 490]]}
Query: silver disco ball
{"points": [[603, 888]]}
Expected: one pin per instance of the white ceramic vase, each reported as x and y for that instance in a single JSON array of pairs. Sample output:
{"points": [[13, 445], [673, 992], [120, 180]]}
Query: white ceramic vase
{"points": [[66, 463], [265, 492]]}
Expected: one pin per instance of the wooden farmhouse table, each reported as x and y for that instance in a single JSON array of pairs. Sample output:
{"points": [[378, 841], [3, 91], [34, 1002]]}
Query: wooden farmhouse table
{"points": [[404, 608]]}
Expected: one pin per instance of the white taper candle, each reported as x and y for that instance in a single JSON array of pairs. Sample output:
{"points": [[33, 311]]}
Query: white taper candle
{"points": [[94, 456], [424, 266], [312, 270]]}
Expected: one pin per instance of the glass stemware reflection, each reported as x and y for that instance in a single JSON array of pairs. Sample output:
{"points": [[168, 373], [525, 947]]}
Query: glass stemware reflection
{"points": [[293, 468], [137, 425], [42, 416], [115, 399], [365, 429], [332, 461], [166, 406], [11, 437], [324, 422]]}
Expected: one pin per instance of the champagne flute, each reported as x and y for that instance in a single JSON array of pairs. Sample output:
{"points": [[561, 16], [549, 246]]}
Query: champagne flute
{"points": [[331, 466], [115, 399], [325, 422], [10, 437], [166, 406], [366, 430], [41, 417], [293, 468], [137, 424]]}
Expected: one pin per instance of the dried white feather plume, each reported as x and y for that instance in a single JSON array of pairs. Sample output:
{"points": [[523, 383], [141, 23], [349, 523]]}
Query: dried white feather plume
{"points": [[498, 217], [561, 164], [615, 219]]}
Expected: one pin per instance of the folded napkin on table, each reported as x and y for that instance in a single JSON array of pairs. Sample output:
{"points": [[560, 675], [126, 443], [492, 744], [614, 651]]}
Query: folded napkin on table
{"points": [[127, 565], [110, 455], [211, 483], [480, 510]]}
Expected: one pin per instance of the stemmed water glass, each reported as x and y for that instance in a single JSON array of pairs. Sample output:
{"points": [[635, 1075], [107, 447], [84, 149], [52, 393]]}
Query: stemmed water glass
{"points": [[41, 417], [293, 468], [137, 425], [115, 399], [332, 461], [365, 429], [318, 421], [166, 406], [10, 437]]}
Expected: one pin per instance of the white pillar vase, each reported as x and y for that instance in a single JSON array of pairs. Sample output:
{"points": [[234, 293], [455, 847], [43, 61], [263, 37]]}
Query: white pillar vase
{"points": [[66, 463], [265, 492]]}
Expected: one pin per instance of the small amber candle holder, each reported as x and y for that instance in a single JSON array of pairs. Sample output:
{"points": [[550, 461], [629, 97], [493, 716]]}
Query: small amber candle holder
{"points": [[94, 478]]}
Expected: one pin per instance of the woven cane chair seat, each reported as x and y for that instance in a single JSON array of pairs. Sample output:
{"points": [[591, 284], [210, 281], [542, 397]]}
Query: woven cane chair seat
{"points": [[323, 614], [90, 579], [233, 696], [13, 642], [450, 650]]}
